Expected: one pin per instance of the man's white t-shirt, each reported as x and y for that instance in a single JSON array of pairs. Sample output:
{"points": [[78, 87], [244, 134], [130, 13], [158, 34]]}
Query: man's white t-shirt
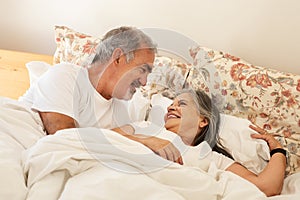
{"points": [[200, 156], [65, 88]]}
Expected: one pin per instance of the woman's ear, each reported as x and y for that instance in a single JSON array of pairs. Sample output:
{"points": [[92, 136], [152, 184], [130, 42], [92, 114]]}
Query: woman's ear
{"points": [[202, 122], [116, 55]]}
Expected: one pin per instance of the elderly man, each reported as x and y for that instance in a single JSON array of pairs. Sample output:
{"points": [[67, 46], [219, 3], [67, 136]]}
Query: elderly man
{"points": [[69, 96]]}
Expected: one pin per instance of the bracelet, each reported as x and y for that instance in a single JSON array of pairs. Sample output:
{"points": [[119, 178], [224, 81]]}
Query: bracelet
{"points": [[278, 150]]}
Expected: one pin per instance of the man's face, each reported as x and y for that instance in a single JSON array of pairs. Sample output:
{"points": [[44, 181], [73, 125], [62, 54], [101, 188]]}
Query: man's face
{"points": [[134, 74]]}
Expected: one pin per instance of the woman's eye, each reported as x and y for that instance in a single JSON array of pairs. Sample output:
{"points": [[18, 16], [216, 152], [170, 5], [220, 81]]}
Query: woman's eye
{"points": [[182, 104]]}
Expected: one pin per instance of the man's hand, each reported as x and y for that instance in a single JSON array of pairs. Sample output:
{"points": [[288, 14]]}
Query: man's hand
{"points": [[163, 148]]}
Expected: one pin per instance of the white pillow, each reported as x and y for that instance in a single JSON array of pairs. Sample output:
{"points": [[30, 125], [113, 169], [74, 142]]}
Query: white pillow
{"points": [[138, 107], [36, 69], [234, 134], [159, 105]]}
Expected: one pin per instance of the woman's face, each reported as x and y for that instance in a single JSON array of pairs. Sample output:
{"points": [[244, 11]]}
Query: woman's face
{"points": [[183, 119]]}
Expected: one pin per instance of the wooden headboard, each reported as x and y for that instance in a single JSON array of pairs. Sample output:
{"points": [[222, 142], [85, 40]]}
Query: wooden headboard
{"points": [[14, 78]]}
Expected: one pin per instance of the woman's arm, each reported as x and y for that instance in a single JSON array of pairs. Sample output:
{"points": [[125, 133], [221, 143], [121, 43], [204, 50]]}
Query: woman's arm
{"points": [[270, 180], [161, 147]]}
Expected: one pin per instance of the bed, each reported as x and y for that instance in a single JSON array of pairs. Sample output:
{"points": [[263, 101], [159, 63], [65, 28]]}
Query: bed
{"points": [[100, 164]]}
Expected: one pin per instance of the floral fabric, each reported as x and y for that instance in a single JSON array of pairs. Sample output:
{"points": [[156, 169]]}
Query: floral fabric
{"points": [[267, 97], [167, 77], [74, 47]]}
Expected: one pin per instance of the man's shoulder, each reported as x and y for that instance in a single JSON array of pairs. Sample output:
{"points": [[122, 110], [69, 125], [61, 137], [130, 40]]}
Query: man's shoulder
{"points": [[63, 66], [67, 70]]}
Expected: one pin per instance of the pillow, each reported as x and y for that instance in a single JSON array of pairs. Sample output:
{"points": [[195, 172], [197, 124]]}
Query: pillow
{"points": [[234, 135], [138, 106], [74, 47], [159, 105], [167, 77], [36, 69], [269, 98]]}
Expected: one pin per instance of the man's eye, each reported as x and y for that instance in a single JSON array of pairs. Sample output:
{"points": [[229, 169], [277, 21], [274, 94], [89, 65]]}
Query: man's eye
{"points": [[143, 70], [149, 68]]}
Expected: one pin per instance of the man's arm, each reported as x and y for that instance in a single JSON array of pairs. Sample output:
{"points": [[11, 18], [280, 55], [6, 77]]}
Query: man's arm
{"points": [[161, 147], [55, 121]]}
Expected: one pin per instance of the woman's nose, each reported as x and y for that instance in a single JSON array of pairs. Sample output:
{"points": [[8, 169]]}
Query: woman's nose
{"points": [[171, 107]]}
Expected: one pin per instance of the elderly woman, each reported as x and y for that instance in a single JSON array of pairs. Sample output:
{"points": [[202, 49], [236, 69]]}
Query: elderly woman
{"points": [[194, 118]]}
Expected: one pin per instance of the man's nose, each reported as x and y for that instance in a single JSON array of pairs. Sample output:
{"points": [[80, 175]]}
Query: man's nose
{"points": [[143, 79]]}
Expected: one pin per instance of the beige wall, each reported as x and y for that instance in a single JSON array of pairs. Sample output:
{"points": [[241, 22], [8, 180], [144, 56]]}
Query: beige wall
{"points": [[263, 32]]}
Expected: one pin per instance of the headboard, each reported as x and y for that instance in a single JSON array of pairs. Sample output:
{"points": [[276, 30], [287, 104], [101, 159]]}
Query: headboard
{"points": [[14, 79]]}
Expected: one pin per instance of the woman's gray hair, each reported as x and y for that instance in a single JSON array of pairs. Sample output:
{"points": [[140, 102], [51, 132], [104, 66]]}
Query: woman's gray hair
{"points": [[126, 38], [207, 109]]}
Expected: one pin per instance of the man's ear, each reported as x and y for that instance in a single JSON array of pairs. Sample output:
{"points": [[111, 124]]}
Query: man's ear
{"points": [[202, 122], [116, 55]]}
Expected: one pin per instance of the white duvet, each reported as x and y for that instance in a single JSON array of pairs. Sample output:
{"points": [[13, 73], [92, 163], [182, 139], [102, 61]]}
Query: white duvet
{"points": [[94, 163]]}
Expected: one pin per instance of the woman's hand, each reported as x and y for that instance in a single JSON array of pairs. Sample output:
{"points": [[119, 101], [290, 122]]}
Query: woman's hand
{"points": [[163, 148], [263, 134]]}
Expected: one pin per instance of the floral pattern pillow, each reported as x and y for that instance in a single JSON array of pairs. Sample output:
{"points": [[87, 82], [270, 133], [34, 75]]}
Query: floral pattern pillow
{"points": [[74, 47], [168, 77], [267, 97]]}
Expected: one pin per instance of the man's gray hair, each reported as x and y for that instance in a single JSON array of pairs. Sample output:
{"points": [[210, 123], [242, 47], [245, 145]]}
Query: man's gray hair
{"points": [[126, 38]]}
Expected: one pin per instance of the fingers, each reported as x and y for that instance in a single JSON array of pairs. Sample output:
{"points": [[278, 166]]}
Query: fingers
{"points": [[258, 129], [272, 142], [164, 148], [162, 154], [263, 137], [173, 154], [170, 152], [259, 136], [263, 134], [179, 160]]}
